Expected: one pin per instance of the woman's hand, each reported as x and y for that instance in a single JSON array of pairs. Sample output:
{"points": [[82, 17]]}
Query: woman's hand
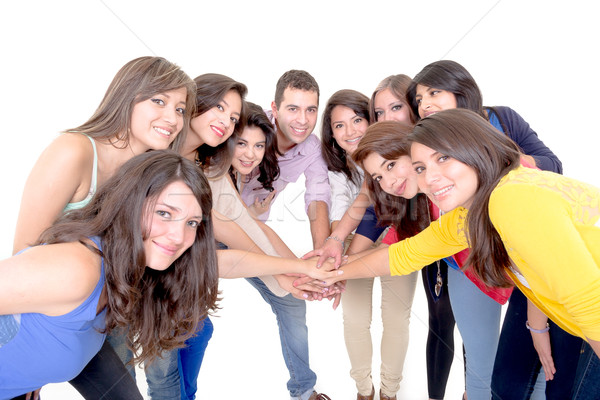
{"points": [[261, 207], [541, 342]]}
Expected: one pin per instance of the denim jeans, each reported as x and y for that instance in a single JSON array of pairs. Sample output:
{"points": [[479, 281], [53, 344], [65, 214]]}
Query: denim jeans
{"points": [[293, 333], [517, 369], [478, 320], [190, 359], [162, 375], [587, 377]]}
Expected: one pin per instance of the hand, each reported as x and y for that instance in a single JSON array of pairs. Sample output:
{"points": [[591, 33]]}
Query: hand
{"points": [[261, 207], [541, 342], [301, 292], [327, 271], [331, 249]]}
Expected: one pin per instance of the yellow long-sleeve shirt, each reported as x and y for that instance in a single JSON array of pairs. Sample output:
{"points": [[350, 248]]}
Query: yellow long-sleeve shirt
{"points": [[547, 223]]}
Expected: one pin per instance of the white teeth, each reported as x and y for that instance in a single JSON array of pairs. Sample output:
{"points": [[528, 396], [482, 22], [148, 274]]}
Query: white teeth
{"points": [[354, 140], [444, 190], [163, 131]]}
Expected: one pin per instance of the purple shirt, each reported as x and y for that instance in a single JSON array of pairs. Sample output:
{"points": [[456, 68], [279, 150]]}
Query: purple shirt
{"points": [[304, 158]]}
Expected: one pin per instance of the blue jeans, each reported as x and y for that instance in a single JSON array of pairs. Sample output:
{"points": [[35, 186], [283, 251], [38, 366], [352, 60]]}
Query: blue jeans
{"points": [[293, 333], [174, 375], [587, 377], [478, 320], [517, 370], [190, 359]]}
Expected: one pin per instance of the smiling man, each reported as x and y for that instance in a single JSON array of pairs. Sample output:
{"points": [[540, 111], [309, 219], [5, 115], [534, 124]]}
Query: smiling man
{"points": [[294, 114]]}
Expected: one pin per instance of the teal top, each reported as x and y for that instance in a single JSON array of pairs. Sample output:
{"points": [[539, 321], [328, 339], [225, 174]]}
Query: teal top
{"points": [[84, 202]]}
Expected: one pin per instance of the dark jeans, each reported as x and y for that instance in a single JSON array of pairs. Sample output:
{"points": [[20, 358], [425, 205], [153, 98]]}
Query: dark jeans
{"points": [[587, 377], [517, 363], [105, 377], [440, 341]]}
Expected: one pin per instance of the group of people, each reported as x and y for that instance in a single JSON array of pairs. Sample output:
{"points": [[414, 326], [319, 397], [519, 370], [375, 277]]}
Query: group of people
{"points": [[128, 221]]}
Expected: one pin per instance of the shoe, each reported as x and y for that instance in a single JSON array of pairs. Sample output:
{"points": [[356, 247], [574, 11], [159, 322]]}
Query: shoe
{"points": [[369, 397], [384, 397], [318, 396]]}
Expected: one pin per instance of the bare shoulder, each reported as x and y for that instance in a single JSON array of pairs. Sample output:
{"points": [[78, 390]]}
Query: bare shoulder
{"points": [[71, 147], [50, 279]]}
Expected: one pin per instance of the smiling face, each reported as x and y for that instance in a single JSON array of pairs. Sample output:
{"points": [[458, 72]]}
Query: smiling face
{"points": [[396, 177], [171, 225], [431, 100], [390, 108], [296, 117], [216, 125], [249, 150], [347, 128], [156, 122], [447, 182]]}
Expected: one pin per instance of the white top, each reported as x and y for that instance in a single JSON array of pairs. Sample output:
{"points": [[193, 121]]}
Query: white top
{"points": [[343, 193]]}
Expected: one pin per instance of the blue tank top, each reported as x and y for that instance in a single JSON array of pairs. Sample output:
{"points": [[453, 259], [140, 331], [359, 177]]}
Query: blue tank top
{"points": [[36, 349]]}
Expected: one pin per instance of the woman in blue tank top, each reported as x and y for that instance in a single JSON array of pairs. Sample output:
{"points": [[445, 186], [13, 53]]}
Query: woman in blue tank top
{"points": [[140, 255]]}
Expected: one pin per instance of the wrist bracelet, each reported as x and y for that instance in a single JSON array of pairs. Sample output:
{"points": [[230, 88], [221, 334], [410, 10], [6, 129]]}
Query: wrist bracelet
{"points": [[546, 329], [337, 239]]}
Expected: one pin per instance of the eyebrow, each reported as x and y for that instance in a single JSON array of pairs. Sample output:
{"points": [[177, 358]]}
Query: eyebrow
{"points": [[173, 208], [168, 97], [227, 104], [435, 153]]}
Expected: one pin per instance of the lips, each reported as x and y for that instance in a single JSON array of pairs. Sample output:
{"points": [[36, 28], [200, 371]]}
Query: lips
{"points": [[162, 131], [168, 250], [440, 193], [355, 140], [428, 113], [400, 190], [299, 131], [246, 164], [220, 132]]}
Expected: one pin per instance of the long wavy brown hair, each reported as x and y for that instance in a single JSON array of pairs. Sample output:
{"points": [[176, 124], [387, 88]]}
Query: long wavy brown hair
{"points": [[470, 139], [137, 81], [335, 157], [158, 309], [210, 90], [268, 169], [389, 140]]}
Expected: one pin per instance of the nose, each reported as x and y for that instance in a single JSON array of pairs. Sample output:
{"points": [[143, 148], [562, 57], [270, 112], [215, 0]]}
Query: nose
{"points": [[302, 117], [385, 117], [249, 152], [388, 181], [429, 176], [170, 115], [175, 233]]}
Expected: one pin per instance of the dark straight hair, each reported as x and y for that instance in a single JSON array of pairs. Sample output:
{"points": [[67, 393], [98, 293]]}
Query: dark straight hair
{"points": [[470, 139]]}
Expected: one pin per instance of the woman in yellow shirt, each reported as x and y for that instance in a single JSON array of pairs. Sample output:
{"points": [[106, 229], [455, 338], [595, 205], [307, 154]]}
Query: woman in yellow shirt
{"points": [[549, 246]]}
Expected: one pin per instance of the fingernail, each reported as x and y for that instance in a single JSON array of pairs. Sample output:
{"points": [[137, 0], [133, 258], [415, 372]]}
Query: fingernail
{"points": [[340, 272], [305, 296]]}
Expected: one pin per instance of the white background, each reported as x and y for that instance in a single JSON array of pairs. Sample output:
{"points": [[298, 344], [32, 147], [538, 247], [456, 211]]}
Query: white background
{"points": [[58, 57]]}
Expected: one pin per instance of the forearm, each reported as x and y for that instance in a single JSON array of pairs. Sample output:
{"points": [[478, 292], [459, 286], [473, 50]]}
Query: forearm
{"points": [[229, 233], [535, 317], [368, 264], [243, 264], [319, 222], [351, 217]]}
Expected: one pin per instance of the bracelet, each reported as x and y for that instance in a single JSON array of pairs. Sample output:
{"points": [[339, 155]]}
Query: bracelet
{"points": [[337, 239], [546, 329]]}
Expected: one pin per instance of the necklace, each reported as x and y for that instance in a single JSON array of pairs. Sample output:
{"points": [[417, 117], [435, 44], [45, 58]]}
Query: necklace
{"points": [[438, 282]]}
